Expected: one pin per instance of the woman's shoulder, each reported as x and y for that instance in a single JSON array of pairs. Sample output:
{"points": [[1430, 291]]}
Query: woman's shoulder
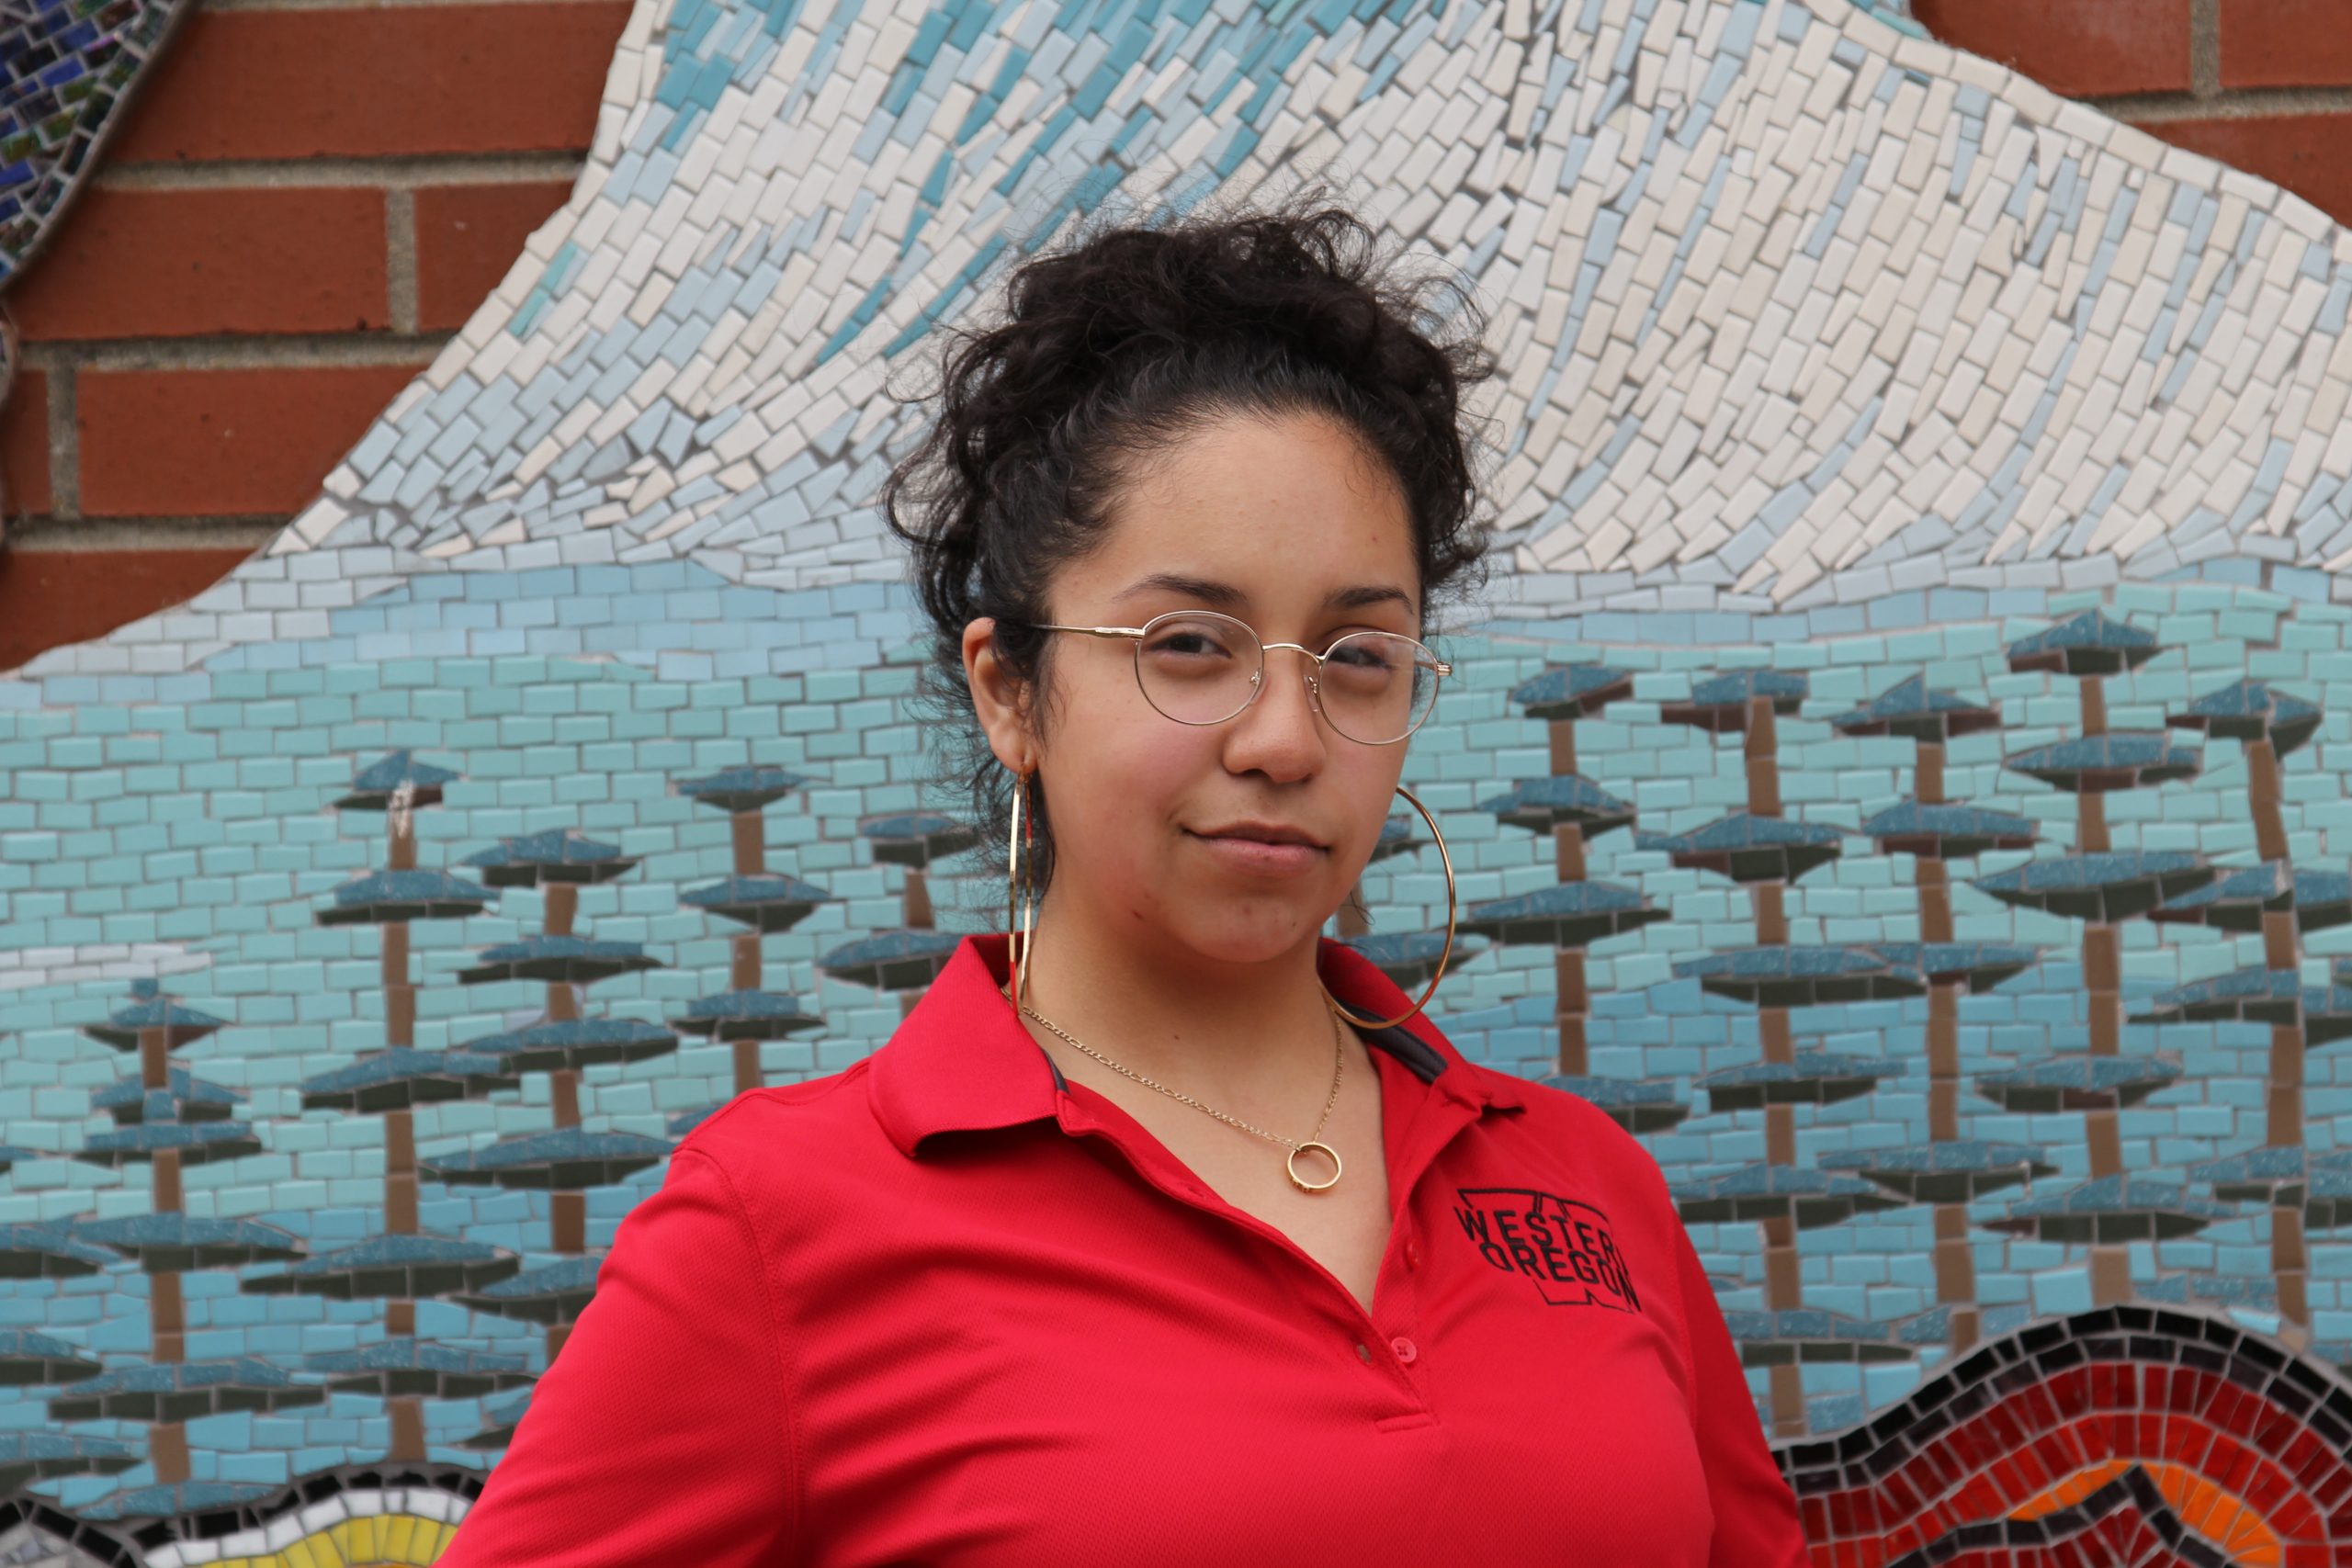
{"points": [[1555, 1104], [1572, 1124], [789, 1129], [1558, 1101]]}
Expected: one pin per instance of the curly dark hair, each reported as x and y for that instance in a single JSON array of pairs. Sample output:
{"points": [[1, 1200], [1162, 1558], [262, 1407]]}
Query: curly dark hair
{"points": [[1112, 349]]}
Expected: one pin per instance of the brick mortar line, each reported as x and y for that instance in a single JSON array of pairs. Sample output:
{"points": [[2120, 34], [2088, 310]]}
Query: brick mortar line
{"points": [[2205, 48], [400, 259], [56, 536], [64, 446], [234, 353], [405, 172], [2238, 103]]}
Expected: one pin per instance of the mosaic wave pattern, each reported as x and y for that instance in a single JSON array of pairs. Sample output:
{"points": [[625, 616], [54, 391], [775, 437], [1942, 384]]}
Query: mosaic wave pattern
{"points": [[1796, 309], [67, 71], [1900, 777], [1896, 14]]}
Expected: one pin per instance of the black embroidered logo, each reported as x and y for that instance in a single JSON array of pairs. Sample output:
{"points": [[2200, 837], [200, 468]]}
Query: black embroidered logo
{"points": [[1562, 1244]]}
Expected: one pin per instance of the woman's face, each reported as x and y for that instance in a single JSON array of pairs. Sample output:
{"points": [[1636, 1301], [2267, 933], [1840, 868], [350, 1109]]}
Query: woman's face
{"points": [[1167, 832]]}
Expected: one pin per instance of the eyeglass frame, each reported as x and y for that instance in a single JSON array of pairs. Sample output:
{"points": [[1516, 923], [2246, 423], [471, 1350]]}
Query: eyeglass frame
{"points": [[1257, 681]]}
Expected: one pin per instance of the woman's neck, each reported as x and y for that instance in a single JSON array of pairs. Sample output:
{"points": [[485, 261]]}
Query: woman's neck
{"points": [[1190, 1022]]}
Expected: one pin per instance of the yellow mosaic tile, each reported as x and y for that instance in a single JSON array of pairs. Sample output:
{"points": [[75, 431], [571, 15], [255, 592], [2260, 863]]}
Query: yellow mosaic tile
{"points": [[387, 1541]]}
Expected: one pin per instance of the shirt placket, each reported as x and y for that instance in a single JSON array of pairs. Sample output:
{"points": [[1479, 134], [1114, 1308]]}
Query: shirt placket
{"points": [[1387, 1339], [1433, 1119]]}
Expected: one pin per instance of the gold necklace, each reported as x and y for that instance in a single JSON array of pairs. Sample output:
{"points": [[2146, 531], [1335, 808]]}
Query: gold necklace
{"points": [[1296, 1148]]}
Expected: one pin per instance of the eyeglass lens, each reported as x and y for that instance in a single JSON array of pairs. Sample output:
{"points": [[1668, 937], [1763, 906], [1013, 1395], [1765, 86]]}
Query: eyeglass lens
{"points": [[1373, 687]]}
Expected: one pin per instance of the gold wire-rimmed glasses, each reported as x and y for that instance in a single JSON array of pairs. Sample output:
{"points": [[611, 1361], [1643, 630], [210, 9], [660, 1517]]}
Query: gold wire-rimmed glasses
{"points": [[1199, 667]]}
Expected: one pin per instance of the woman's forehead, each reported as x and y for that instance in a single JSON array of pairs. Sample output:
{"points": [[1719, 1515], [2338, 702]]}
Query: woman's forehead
{"points": [[1291, 462], [1263, 511]]}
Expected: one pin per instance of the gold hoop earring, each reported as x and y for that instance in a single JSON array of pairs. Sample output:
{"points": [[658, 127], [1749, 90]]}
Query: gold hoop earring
{"points": [[1447, 861], [1021, 895]]}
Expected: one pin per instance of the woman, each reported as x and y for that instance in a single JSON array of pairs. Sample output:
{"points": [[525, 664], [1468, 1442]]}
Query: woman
{"points": [[1170, 1266]]}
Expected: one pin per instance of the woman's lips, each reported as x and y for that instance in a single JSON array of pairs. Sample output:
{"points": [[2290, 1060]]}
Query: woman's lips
{"points": [[1259, 856]]}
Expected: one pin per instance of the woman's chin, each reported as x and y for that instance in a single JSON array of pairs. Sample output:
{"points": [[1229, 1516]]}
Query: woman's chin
{"points": [[1251, 936]]}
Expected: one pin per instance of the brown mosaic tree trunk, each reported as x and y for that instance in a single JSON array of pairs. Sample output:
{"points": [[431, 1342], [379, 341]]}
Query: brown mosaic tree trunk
{"points": [[749, 829], [567, 1211], [2283, 1096], [1784, 1283], [167, 1312], [406, 1411], [1955, 1258], [1573, 1004], [2103, 981]]}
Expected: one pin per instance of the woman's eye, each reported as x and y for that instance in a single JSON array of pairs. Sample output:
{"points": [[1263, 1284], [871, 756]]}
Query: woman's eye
{"points": [[1366, 653], [1187, 642]]}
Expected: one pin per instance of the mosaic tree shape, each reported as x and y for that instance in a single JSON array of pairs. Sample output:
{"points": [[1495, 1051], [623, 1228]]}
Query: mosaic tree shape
{"points": [[2102, 888], [1572, 810], [48, 1252], [901, 962], [905, 961], [1408, 958], [745, 1014], [29, 1457], [1949, 1171], [1783, 1199], [395, 1080], [2274, 998], [170, 1120], [2268, 725], [1763, 852], [915, 839], [2291, 1177], [567, 1159], [558, 862], [404, 1264]]}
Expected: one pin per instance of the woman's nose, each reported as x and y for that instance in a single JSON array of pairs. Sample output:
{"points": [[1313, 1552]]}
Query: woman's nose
{"points": [[1281, 732]]}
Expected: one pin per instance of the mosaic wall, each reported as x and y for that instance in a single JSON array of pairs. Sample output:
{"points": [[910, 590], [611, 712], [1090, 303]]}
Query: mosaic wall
{"points": [[1899, 773]]}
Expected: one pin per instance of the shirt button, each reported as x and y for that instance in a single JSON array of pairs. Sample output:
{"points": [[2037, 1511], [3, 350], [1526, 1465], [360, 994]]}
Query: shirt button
{"points": [[1364, 1351], [1405, 1349], [1412, 1255]]}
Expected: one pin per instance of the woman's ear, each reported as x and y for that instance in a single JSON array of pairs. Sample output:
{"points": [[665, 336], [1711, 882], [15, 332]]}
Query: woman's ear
{"points": [[1000, 698]]}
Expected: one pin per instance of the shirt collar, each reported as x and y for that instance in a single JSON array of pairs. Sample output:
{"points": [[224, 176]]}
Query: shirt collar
{"points": [[961, 1060]]}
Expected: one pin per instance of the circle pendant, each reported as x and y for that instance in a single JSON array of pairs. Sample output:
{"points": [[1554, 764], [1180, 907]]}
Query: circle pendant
{"points": [[1301, 1182]]}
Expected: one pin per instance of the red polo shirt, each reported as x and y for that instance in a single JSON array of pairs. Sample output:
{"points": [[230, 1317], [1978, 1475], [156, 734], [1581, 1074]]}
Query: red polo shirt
{"points": [[946, 1307]]}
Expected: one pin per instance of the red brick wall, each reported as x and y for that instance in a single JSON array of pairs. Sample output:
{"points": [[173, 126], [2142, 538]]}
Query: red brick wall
{"points": [[2264, 85], [306, 200]]}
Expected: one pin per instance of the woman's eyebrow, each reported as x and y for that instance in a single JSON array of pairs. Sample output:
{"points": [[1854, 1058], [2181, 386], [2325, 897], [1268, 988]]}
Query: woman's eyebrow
{"points": [[1358, 597], [1223, 594], [1226, 597]]}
